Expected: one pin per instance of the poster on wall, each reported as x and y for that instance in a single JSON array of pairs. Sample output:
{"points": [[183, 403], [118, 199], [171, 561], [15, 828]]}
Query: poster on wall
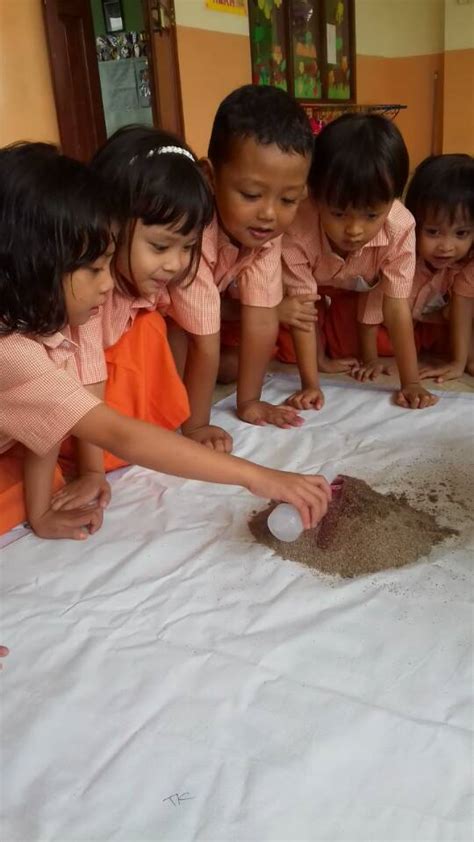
{"points": [[235, 7]]}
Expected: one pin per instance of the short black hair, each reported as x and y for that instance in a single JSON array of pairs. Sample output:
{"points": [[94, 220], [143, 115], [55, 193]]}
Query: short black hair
{"points": [[359, 160], [441, 185], [266, 114], [54, 218], [159, 188]]}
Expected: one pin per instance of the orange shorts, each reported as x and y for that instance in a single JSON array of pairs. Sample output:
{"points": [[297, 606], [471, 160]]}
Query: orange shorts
{"points": [[12, 504], [433, 338], [340, 329], [142, 382]]}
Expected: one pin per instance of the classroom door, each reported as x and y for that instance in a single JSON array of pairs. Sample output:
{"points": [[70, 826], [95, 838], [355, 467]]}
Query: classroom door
{"points": [[75, 73], [75, 76]]}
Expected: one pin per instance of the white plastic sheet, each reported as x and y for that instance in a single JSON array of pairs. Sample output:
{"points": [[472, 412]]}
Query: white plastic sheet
{"points": [[173, 680]]}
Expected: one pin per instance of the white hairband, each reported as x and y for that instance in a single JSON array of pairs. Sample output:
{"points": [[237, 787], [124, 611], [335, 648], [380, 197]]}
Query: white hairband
{"points": [[165, 150]]}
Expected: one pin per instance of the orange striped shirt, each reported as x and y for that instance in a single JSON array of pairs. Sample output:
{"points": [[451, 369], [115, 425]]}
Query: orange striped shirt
{"points": [[384, 266], [431, 290], [41, 389], [252, 275]]}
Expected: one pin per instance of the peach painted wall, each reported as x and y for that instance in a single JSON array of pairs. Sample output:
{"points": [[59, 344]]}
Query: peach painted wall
{"points": [[211, 65], [214, 58], [400, 46], [458, 104], [458, 130], [415, 81], [27, 109]]}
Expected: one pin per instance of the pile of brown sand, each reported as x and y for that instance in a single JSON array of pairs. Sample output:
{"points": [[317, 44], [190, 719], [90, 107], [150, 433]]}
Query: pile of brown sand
{"points": [[363, 532]]}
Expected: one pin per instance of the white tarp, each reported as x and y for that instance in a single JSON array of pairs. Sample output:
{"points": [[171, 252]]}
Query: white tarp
{"points": [[172, 680]]}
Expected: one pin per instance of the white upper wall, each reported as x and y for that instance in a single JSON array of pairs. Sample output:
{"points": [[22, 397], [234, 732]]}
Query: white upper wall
{"points": [[395, 28], [194, 13], [391, 28], [459, 25]]}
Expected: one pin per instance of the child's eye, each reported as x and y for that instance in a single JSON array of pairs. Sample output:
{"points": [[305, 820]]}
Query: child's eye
{"points": [[158, 248], [337, 213], [431, 232], [463, 233], [189, 246], [372, 216], [250, 196], [287, 201]]}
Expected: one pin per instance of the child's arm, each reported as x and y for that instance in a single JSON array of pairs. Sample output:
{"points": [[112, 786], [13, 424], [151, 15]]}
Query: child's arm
{"points": [[259, 331], [398, 319], [200, 373], [460, 327], [310, 395], [75, 523], [161, 450], [90, 486]]}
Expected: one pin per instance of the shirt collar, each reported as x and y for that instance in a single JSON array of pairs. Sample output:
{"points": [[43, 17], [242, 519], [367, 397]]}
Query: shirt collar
{"points": [[62, 338]]}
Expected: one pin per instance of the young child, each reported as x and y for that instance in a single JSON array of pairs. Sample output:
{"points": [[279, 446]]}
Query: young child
{"points": [[441, 198], [55, 253], [259, 157], [355, 242], [164, 203]]}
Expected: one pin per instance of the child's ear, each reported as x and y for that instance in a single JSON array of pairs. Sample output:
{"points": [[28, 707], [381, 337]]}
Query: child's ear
{"points": [[208, 169]]}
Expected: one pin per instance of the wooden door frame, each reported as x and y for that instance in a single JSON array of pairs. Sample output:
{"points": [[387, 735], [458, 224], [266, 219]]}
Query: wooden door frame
{"points": [[61, 73], [148, 7]]}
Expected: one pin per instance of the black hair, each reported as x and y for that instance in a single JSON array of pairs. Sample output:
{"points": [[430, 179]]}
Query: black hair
{"points": [[359, 160], [54, 218], [441, 185], [157, 188], [266, 114]]}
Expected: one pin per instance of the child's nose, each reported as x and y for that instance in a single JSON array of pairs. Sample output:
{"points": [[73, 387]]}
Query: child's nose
{"points": [[108, 282], [354, 228], [266, 211], [173, 262], [446, 245]]}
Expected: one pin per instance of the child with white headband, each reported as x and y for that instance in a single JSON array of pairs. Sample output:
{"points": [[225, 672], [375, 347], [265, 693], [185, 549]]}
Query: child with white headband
{"points": [[163, 203]]}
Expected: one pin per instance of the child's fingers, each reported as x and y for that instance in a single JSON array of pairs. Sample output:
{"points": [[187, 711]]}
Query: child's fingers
{"points": [[401, 400], [105, 496], [96, 521]]}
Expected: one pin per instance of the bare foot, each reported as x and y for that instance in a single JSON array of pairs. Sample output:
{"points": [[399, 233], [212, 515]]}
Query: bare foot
{"points": [[339, 366]]}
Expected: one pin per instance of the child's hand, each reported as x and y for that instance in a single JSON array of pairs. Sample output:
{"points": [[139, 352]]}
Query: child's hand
{"points": [[77, 524], [306, 399], [90, 488], [448, 371], [371, 371], [3, 653], [262, 413], [298, 311], [414, 396], [309, 494], [345, 365], [215, 438]]}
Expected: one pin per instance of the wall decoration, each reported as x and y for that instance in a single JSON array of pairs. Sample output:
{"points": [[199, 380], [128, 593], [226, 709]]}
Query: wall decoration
{"points": [[305, 47], [235, 7]]}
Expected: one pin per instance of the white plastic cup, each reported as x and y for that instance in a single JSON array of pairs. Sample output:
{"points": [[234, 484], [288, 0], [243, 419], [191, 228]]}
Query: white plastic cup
{"points": [[284, 522]]}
